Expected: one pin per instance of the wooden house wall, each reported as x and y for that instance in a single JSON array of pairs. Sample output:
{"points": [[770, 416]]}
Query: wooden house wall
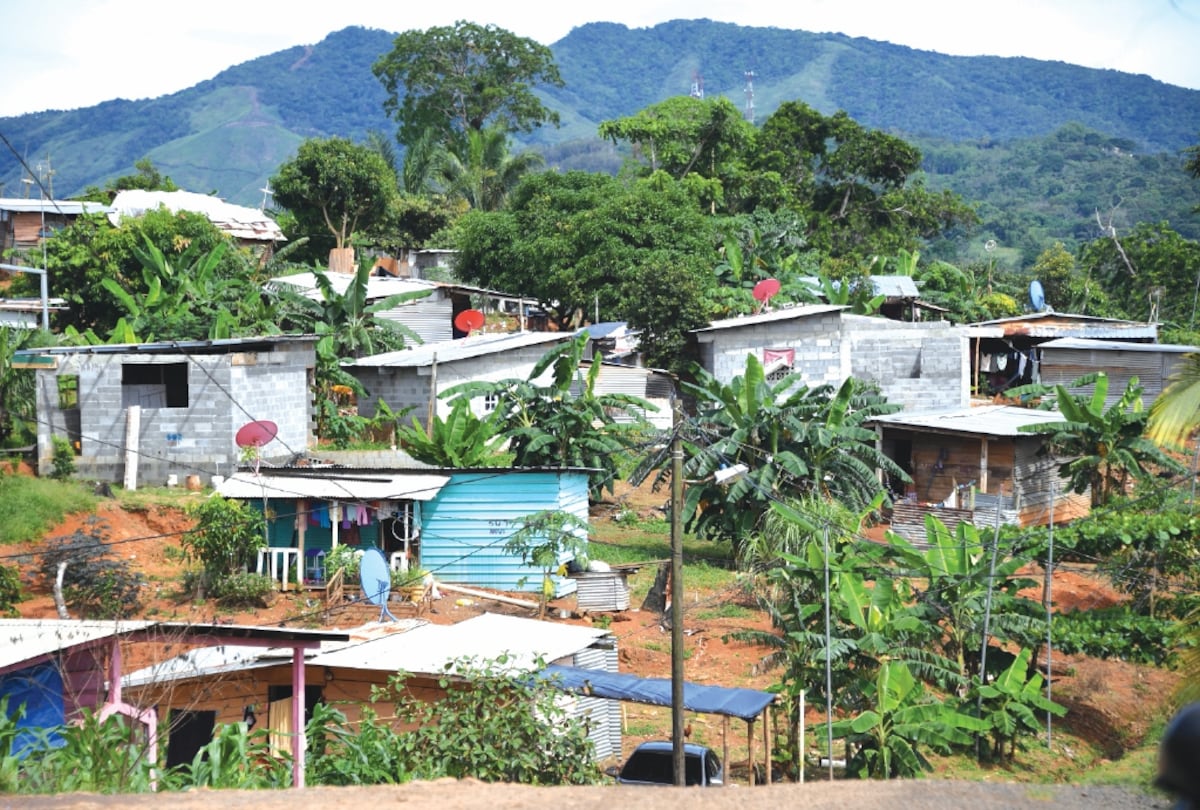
{"points": [[1016, 473], [1039, 483], [229, 694], [939, 462]]}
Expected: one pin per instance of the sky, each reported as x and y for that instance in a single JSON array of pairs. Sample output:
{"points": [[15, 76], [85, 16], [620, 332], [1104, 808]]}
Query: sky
{"points": [[78, 53]]}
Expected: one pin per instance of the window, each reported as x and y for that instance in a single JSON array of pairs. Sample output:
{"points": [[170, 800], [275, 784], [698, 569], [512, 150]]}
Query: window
{"points": [[154, 385], [68, 391], [490, 402]]}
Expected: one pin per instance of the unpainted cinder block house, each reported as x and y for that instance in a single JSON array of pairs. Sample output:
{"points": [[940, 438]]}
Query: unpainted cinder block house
{"points": [[163, 409]]}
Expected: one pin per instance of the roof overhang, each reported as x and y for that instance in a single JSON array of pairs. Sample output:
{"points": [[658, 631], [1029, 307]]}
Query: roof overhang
{"points": [[329, 485]]}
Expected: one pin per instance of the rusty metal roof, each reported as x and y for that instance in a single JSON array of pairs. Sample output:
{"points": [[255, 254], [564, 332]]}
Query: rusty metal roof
{"points": [[1062, 325]]}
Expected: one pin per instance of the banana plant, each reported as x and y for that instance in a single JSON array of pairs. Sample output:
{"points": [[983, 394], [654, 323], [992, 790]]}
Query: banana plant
{"points": [[1104, 447], [459, 440], [887, 739], [1010, 706]]}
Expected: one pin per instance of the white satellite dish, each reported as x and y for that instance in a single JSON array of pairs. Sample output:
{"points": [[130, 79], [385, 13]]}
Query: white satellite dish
{"points": [[376, 579], [1037, 296]]}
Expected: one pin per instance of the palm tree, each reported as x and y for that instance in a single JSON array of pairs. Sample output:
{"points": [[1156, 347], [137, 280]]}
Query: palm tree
{"points": [[1175, 414], [478, 169]]}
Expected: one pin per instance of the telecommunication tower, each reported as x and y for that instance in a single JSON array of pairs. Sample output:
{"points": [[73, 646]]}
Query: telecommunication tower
{"points": [[697, 85], [749, 113]]}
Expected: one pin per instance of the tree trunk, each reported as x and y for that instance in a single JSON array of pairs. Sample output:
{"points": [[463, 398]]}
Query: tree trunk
{"points": [[341, 260]]}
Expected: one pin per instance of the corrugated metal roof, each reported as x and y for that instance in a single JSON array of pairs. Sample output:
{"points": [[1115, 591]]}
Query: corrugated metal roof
{"points": [[448, 351], [785, 314], [1062, 325], [65, 207], [609, 329], [382, 286], [1119, 346], [24, 640], [334, 486], [226, 345], [987, 420], [27, 639], [891, 286], [236, 220], [430, 647], [378, 287], [407, 645]]}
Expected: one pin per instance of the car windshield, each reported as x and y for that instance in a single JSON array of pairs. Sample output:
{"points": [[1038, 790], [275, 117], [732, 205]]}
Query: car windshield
{"points": [[656, 766]]}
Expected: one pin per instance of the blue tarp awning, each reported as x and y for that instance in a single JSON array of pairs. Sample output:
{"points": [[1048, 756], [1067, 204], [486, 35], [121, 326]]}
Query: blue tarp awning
{"points": [[747, 704]]}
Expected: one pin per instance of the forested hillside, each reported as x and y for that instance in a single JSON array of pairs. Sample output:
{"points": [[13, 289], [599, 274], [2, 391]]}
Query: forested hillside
{"points": [[1041, 146]]}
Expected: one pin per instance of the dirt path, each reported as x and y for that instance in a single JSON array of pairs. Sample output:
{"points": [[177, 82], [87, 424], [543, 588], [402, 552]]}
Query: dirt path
{"points": [[470, 795]]}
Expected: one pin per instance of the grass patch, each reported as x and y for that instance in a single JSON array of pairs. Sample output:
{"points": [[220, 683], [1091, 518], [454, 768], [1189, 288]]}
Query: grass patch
{"points": [[30, 507], [144, 499], [726, 611]]}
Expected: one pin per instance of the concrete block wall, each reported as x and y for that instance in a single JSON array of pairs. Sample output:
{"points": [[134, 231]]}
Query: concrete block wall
{"points": [[816, 339], [225, 391], [402, 387], [919, 366]]}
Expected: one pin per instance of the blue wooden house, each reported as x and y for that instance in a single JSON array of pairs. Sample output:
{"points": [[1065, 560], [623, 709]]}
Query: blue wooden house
{"points": [[452, 523]]}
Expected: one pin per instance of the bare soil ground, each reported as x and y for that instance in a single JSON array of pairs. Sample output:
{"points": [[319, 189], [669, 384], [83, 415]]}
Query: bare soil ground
{"points": [[1112, 704]]}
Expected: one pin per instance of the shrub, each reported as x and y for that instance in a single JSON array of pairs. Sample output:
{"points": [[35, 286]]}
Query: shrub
{"points": [[348, 558], [10, 589], [225, 539], [63, 459], [245, 590], [491, 725], [1116, 632]]}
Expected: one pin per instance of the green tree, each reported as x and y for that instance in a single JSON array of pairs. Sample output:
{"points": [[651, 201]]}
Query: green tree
{"points": [[1010, 706], [887, 738], [1104, 447], [82, 255], [1148, 273], [181, 299], [547, 541], [335, 188], [18, 393], [960, 584], [591, 239], [700, 141], [857, 188], [452, 79]]}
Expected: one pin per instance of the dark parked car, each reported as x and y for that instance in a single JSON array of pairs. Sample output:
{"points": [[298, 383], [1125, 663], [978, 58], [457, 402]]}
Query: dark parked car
{"points": [[651, 764]]}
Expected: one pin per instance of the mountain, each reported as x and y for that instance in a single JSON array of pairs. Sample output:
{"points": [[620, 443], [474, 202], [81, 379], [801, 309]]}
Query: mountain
{"points": [[227, 135]]}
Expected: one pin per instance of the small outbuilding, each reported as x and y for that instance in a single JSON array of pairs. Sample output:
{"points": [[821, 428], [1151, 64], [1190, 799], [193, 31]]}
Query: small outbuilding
{"points": [[969, 464]]}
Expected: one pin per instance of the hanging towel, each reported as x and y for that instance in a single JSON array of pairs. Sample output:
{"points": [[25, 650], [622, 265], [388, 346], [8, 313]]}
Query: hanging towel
{"points": [[345, 510], [322, 514]]}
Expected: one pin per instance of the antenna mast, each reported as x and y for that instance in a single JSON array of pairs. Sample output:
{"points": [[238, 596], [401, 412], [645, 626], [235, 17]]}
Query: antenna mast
{"points": [[697, 85], [749, 113]]}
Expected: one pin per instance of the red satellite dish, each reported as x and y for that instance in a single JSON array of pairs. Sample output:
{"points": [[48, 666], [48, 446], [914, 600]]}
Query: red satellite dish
{"points": [[764, 289], [256, 434], [468, 320]]}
